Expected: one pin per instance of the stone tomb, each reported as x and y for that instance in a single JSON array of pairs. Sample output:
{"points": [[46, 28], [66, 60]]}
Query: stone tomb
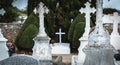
{"points": [[20, 60], [112, 22], [115, 36], [3, 48], [99, 51], [84, 39], [41, 49], [60, 48]]}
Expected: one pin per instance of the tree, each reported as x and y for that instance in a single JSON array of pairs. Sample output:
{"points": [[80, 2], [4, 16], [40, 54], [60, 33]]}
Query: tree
{"points": [[110, 10], [11, 12], [60, 15], [76, 30], [24, 40]]}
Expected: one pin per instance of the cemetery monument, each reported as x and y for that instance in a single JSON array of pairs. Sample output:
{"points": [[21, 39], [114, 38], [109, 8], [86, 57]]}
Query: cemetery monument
{"points": [[115, 36], [3, 48], [84, 39], [60, 48], [41, 49], [99, 51]]}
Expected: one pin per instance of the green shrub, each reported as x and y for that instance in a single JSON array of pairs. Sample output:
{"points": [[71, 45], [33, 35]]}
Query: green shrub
{"points": [[77, 33], [76, 30], [49, 24], [29, 30]]}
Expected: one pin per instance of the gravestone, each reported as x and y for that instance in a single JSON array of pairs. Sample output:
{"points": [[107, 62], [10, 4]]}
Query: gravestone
{"points": [[84, 39], [99, 51], [115, 37], [60, 35], [20, 60], [87, 10], [41, 49], [3, 48], [60, 48]]}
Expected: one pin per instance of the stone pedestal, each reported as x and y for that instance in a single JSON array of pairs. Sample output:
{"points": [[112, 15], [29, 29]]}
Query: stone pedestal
{"points": [[81, 55], [3, 48], [60, 48], [99, 56], [41, 49]]}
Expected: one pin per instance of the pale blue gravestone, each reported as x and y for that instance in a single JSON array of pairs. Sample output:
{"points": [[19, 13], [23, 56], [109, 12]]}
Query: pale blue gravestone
{"points": [[20, 60]]}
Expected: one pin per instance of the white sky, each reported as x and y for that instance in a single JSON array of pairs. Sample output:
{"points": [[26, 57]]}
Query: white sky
{"points": [[112, 4]]}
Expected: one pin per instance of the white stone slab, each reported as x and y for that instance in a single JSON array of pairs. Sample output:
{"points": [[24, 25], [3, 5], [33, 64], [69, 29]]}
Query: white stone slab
{"points": [[60, 48], [3, 48]]}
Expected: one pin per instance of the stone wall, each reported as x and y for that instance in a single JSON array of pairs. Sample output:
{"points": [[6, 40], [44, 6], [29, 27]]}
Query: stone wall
{"points": [[109, 27], [10, 30]]}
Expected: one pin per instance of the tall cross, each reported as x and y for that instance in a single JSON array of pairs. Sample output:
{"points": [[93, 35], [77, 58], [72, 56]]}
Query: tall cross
{"points": [[87, 10], [116, 20], [60, 35], [2, 11], [42, 9]]}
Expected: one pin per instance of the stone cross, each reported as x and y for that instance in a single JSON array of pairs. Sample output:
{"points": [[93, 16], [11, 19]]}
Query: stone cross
{"points": [[3, 48], [87, 10], [2, 11], [116, 20], [115, 37], [42, 9], [60, 35]]}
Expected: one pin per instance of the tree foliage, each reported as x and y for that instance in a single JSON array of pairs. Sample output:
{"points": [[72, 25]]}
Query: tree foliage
{"points": [[11, 13], [76, 30], [61, 15], [110, 10], [29, 30]]}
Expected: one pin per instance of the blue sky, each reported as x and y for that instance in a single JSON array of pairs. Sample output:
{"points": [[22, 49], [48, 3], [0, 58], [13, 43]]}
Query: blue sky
{"points": [[21, 4], [111, 4]]}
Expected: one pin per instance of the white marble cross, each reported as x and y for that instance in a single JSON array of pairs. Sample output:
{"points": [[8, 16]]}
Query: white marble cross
{"points": [[116, 19], [87, 10], [115, 37], [60, 35], [42, 9], [2, 11]]}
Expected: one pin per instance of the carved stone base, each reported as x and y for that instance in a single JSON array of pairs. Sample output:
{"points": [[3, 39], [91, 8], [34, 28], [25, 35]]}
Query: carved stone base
{"points": [[99, 56], [41, 49]]}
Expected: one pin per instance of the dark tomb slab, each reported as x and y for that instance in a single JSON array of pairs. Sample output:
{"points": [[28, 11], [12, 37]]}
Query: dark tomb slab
{"points": [[117, 57]]}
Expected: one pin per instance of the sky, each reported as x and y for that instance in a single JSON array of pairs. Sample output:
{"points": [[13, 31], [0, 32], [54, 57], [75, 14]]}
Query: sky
{"points": [[111, 4], [21, 4]]}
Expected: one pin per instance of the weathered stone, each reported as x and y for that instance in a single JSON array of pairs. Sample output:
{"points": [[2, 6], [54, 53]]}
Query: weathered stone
{"points": [[99, 56], [19, 60], [10, 30], [45, 62]]}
